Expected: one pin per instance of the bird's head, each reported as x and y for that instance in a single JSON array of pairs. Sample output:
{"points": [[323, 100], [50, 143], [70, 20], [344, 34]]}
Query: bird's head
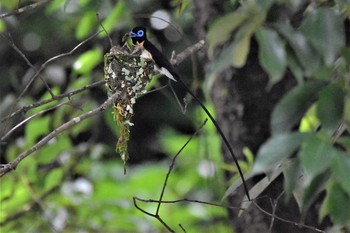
{"points": [[138, 35]]}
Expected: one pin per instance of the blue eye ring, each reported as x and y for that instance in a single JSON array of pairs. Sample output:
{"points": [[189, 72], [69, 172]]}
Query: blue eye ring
{"points": [[140, 33]]}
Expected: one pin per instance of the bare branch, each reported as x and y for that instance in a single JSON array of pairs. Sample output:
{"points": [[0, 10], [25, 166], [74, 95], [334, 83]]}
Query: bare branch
{"points": [[156, 215], [177, 59], [24, 109], [190, 200], [3, 138], [42, 67], [12, 165], [173, 163], [14, 46], [287, 221], [25, 8]]}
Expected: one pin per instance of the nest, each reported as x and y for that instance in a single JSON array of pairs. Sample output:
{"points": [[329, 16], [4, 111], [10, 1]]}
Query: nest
{"points": [[126, 72]]}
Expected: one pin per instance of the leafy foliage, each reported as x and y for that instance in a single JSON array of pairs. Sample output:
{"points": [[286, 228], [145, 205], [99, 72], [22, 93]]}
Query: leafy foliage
{"points": [[75, 182], [313, 49]]}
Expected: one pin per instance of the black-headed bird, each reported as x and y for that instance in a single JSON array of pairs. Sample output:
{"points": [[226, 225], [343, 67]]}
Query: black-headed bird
{"points": [[139, 38]]}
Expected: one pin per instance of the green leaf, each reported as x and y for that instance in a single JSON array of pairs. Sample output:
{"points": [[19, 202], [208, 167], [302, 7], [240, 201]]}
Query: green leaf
{"points": [[306, 54], [119, 11], [50, 151], [54, 6], [237, 52], [336, 204], [309, 122], [292, 107], [277, 149], [2, 26], [291, 177], [220, 31], [272, 55], [86, 24], [53, 179], [341, 170], [295, 68], [312, 189], [316, 156], [324, 28], [35, 128], [87, 61], [330, 107]]}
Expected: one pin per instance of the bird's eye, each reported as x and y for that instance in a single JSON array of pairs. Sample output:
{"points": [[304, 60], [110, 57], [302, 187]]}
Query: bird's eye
{"points": [[140, 33]]}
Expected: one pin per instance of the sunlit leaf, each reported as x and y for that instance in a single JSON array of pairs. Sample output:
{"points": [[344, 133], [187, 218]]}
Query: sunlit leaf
{"points": [[9, 4], [87, 61], [86, 25], [35, 128], [330, 107], [54, 5], [324, 27], [120, 10], [2, 26], [292, 107], [53, 179], [309, 122], [277, 149], [272, 55]]}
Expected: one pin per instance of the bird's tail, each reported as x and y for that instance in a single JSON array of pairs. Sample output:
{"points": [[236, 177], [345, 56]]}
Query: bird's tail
{"points": [[219, 130]]}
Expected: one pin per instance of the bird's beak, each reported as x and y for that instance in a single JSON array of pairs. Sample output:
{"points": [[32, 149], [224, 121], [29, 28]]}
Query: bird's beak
{"points": [[132, 34]]}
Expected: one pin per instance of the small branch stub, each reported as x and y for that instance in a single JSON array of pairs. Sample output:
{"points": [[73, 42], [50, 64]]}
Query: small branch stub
{"points": [[128, 73]]}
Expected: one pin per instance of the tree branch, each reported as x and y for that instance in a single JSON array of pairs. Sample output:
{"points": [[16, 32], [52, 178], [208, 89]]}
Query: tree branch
{"points": [[24, 109], [12, 165], [25, 8]]}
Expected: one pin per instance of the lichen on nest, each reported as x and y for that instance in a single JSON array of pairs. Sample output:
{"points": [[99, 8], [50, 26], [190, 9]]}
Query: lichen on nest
{"points": [[127, 72]]}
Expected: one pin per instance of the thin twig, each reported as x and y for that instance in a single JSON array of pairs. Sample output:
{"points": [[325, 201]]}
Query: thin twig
{"points": [[287, 221], [3, 138], [24, 109], [173, 163], [156, 215], [183, 229], [190, 200], [14, 46], [42, 67], [274, 204], [152, 215], [12, 165], [25, 8]]}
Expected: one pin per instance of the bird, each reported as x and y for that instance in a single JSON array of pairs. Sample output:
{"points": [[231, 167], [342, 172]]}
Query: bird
{"points": [[162, 64]]}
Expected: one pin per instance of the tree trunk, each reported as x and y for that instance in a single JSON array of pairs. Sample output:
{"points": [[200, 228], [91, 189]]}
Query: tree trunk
{"points": [[243, 109]]}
